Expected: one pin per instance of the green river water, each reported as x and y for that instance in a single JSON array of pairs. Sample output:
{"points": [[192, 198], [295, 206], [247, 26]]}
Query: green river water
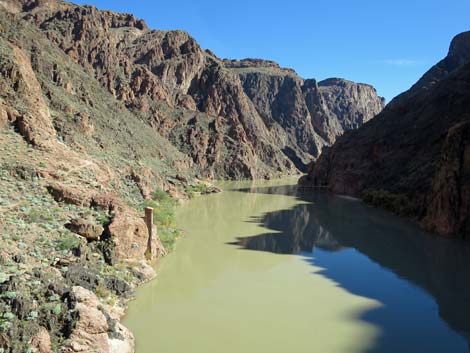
{"points": [[266, 268]]}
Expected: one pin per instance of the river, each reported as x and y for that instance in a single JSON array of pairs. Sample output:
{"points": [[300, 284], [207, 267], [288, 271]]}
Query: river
{"points": [[267, 268]]}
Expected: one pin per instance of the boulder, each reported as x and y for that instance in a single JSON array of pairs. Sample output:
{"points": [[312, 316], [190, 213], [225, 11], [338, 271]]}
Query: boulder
{"points": [[92, 332], [86, 229], [130, 236], [42, 341]]}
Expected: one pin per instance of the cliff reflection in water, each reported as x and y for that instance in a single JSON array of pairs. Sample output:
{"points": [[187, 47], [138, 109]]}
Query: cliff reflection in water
{"points": [[335, 233]]}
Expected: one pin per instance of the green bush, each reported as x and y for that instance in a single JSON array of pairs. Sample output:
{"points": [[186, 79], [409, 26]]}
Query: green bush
{"points": [[161, 196], [68, 242], [33, 315], [193, 190], [3, 277], [168, 237], [164, 217], [103, 219], [401, 204], [102, 292]]}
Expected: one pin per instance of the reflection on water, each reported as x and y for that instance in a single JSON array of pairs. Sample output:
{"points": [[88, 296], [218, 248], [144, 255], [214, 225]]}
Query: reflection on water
{"points": [[377, 255], [322, 274]]}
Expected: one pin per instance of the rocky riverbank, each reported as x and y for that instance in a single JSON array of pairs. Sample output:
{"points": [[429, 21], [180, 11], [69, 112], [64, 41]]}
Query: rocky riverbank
{"points": [[72, 254]]}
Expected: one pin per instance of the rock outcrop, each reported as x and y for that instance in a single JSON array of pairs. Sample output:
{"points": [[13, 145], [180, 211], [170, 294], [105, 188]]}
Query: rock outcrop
{"points": [[413, 157], [233, 119], [304, 115], [96, 328]]}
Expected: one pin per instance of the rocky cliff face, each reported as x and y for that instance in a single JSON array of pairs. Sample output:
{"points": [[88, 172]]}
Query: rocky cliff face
{"points": [[413, 157], [306, 114], [233, 119]]}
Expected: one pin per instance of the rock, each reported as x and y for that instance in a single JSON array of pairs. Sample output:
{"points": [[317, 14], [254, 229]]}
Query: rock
{"points": [[10, 6], [130, 236], [83, 277], [146, 181], [42, 341], [86, 229], [90, 330], [69, 194], [144, 271], [117, 286], [125, 344], [3, 117], [415, 150], [448, 212], [348, 104], [36, 125], [235, 118], [214, 190]]}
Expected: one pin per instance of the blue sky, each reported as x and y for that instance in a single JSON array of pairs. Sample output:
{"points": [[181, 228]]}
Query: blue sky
{"points": [[388, 44]]}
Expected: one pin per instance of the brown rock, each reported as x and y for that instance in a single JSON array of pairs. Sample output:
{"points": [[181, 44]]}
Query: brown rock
{"points": [[145, 180], [69, 194], [125, 345], [11, 6], [3, 117], [130, 236], [36, 125], [86, 229], [90, 331], [42, 341], [235, 118]]}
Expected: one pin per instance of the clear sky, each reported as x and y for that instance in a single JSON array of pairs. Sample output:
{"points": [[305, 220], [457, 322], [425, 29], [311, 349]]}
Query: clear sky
{"points": [[387, 43]]}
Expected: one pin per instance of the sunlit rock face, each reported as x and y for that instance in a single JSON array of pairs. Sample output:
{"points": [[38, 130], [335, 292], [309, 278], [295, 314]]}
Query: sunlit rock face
{"points": [[233, 119]]}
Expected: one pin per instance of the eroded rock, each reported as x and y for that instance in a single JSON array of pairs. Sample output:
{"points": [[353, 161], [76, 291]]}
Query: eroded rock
{"points": [[42, 341], [86, 229], [92, 332], [130, 236]]}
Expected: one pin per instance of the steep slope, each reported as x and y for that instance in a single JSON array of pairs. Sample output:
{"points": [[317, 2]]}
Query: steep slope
{"points": [[413, 158], [75, 169], [200, 103]]}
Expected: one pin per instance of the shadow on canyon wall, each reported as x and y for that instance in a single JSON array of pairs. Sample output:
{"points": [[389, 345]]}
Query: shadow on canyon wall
{"points": [[404, 268]]}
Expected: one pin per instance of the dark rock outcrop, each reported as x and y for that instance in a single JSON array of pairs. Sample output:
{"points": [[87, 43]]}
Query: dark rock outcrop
{"points": [[416, 151]]}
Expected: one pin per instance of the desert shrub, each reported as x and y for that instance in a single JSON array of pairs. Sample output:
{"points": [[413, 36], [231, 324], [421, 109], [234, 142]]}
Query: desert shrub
{"points": [[103, 219], [193, 190], [68, 242], [102, 292]]}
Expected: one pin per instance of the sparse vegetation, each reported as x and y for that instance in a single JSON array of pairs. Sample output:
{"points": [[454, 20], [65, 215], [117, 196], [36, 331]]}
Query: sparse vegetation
{"points": [[68, 242], [193, 190], [401, 204], [164, 217]]}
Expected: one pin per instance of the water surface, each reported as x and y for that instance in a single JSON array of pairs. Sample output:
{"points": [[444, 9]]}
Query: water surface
{"points": [[266, 268]]}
